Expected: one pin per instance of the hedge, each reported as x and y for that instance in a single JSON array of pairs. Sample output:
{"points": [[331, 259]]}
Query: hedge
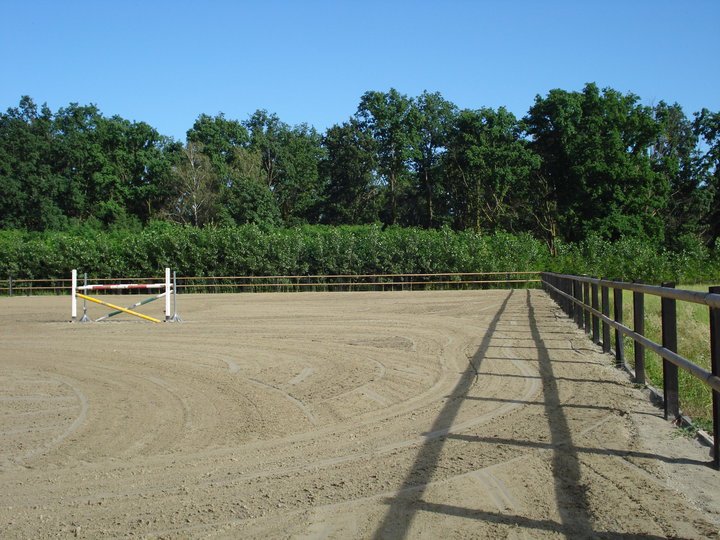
{"points": [[252, 250]]}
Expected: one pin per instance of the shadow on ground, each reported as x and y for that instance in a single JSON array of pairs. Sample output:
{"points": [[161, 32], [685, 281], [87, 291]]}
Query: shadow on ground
{"points": [[573, 505]]}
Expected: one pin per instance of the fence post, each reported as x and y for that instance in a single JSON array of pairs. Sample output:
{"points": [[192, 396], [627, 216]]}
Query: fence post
{"points": [[547, 281], [577, 294], [595, 320], [670, 370], [586, 302], [715, 367], [605, 294], [558, 297], [639, 328], [568, 302], [10, 285], [619, 344]]}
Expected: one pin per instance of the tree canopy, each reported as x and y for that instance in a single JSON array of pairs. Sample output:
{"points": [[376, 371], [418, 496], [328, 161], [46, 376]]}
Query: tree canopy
{"points": [[594, 162]]}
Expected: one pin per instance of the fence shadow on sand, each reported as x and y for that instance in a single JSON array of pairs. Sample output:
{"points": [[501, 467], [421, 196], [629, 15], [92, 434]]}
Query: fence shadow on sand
{"points": [[573, 505]]}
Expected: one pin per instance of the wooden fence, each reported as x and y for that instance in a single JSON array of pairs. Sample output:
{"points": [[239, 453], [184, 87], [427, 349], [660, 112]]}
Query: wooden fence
{"points": [[286, 283], [578, 298]]}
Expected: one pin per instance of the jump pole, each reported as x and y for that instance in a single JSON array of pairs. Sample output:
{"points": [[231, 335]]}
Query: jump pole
{"points": [[113, 306], [73, 293], [167, 295], [136, 304]]}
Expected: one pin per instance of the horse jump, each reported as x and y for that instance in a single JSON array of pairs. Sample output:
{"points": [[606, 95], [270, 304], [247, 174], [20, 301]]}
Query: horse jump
{"points": [[170, 291]]}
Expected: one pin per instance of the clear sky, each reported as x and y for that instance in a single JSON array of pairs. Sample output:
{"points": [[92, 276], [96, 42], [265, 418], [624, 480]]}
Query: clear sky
{"points": [[166, 62]]}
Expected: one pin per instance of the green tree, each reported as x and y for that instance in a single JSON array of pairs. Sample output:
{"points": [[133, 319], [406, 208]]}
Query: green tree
{"points": [[300, 193], [488, 166], [392, 120], [676, 158], [290, 160], [352, 195], [79, 157], [244, 196], [707, 126], [32, 193], [435, 120], [266, 134], [220, 139], [595, 164], [115, 168], [137, 165]]}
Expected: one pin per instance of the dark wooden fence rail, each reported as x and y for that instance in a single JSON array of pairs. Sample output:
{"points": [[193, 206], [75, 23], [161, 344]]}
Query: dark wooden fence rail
{"points": [[572, 294]]}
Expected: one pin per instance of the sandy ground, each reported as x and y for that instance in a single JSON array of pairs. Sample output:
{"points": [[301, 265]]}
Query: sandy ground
{"points": [[342, 415]]}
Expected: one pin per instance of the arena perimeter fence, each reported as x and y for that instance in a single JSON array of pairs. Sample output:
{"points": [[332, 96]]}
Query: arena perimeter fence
{"points": [[577, 296], [289, 283]]}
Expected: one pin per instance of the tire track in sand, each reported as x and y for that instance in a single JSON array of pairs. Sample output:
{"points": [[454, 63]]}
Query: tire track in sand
{"points": [[72, 428]]}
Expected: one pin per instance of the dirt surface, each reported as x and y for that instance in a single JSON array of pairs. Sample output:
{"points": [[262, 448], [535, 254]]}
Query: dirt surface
{"points": [[341, 415]]}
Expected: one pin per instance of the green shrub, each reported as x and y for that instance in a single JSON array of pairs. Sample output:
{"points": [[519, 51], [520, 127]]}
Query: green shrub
{"points": [[257, 250]]}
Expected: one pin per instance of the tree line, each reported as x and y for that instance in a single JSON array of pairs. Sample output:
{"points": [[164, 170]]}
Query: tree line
{"points": [[579, 164]]}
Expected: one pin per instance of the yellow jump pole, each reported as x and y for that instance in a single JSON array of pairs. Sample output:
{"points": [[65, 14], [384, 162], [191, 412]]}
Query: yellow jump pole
{"points": [[113, 306]]}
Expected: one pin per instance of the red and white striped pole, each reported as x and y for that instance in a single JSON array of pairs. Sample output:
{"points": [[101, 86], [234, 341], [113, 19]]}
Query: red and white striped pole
{"points": [[122, 286]]}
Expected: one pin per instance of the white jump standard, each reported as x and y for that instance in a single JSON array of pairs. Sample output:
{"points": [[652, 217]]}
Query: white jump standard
{"points": [[170, 290]]}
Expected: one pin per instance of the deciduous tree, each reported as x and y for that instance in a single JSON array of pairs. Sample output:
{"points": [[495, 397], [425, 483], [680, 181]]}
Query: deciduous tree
{"points": [[196, 188], [392, 120], [352, 194], [595, 161], [707, 126], [676, 158], [435, 117], [488, 166]]}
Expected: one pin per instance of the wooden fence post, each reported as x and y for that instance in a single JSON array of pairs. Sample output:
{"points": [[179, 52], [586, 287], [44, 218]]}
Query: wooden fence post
{"points": [[619, 344], [605, 294], [715, 367], [577, 294], [670, 370], [595, 319], [586, 301]]}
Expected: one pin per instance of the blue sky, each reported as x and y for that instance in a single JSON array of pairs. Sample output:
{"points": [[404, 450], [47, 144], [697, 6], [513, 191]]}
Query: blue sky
{"points": [[166, 62]]}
